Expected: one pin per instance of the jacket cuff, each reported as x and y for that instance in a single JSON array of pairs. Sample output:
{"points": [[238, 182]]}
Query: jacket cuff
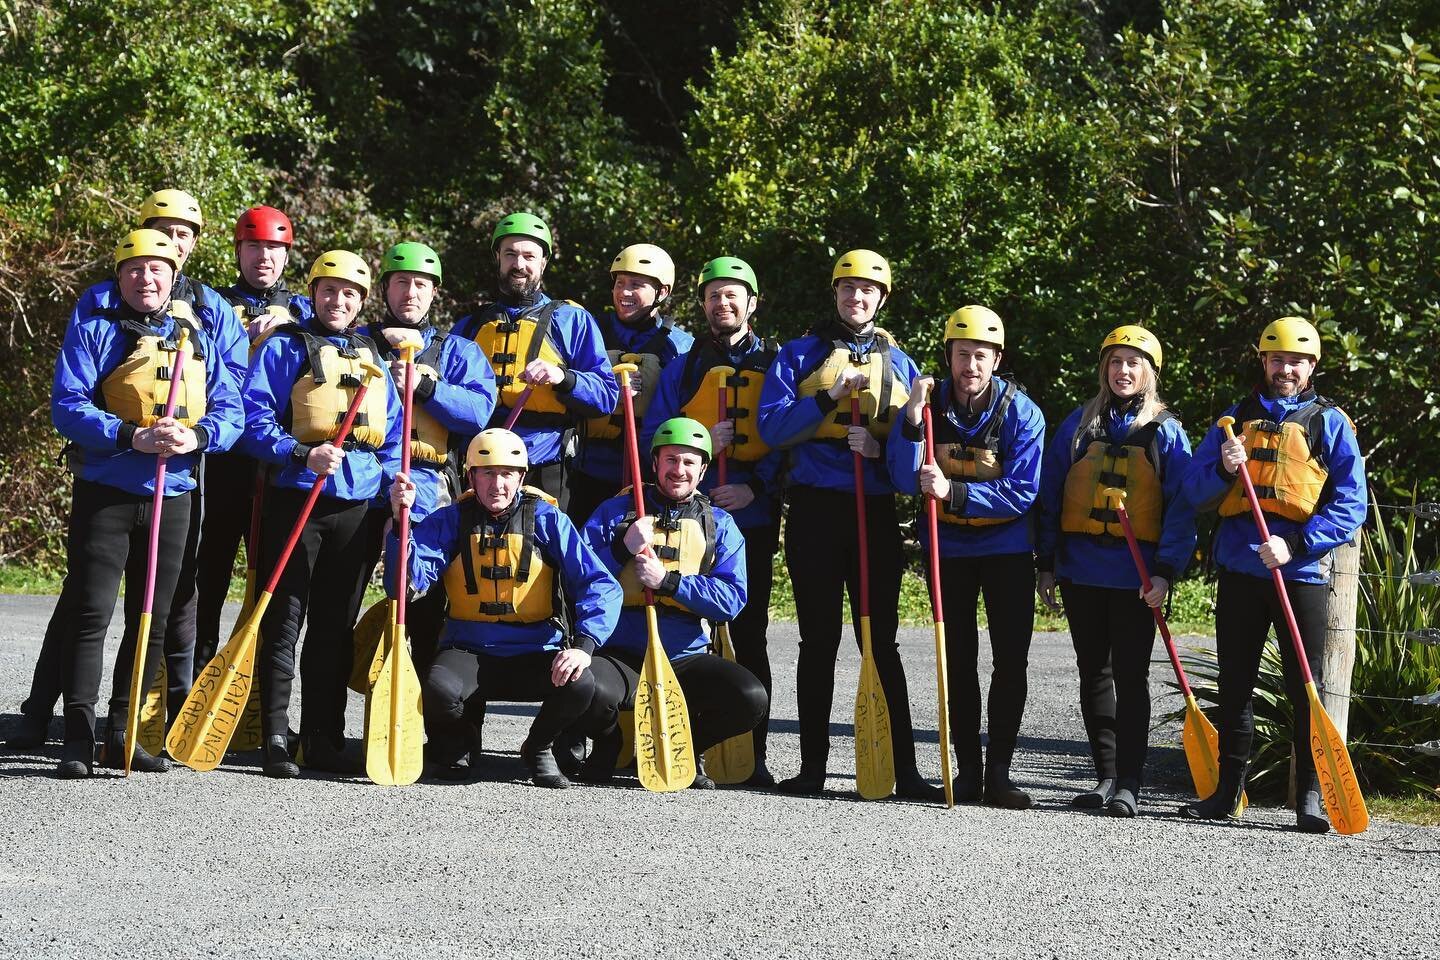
{"points": [[300, 453], [425, 389], [202, 438], [1295, 540], [825, 402], [125, 437], [618, 550], [913, 432], [1223, 474], [584, 644], [959, 498], [757, 486], [1164, 571], [1045, 563], [669, 585], [567, 383]]}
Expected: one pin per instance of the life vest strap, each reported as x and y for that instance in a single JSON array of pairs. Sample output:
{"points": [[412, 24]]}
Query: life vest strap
{"points": [[493, 609], [490, 572], [1112, 479], [1265, 454], [667, 553]]}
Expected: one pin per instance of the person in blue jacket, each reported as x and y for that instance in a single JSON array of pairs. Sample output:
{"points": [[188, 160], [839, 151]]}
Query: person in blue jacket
{"points": [[108, 402], [302, 381], [512, 567], [745, 479], [691, 557], [176, 214], [805, 408], [552, 347], [988, 442], [260, 301], [454, 398], [1305, 463], [1124, 438], [635, 331]]}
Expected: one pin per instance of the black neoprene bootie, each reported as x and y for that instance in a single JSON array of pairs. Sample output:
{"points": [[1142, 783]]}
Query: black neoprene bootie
{"points": [[1096, 797], [28, 733], [77, 761], [808, 780], [968, 786], [1126, 801], [275, 758], [1309, 814], [569, 749], [702, 781], [600, 765], [1224, 803], [323, 753], [1001, 791], [762, 778], [912, 786], [112, 755], [544, 771]]}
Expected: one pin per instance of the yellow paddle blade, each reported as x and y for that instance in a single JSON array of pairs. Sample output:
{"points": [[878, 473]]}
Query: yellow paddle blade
{"points": [[394, 724], [874, 756], [248, 603], [733, 760], [664, 751], [249, 736], [1343, 800], [369, 651], [942, 683], [627, 740], [137, 692], [201, 734], [1202, 754], [152, 715]]}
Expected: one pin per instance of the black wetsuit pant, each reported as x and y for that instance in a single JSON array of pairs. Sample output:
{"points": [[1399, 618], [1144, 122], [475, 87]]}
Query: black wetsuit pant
{"points": [[1113, 632], [229, 490], [748, 630], [424, 616], [460, 683], [1007, 582], [1246, 608], [724, 699], [820, 542], [322, 587], [107, 539]]}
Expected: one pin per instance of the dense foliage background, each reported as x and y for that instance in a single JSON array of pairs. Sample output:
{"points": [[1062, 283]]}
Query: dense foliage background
{"points": [[1201, 167]]}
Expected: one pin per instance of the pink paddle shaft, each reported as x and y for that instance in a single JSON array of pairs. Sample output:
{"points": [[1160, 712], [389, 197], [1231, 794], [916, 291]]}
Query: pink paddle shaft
{"points": [[515, 410], [632, 449], [402, 568], [863, 540], [177, 373], [1275, 573], [1140, 568], [932, 519], [315, 489]]}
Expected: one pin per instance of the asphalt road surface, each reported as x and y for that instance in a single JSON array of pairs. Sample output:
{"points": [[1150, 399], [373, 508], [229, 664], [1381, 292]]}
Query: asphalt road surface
{"points": [[230, 864]]}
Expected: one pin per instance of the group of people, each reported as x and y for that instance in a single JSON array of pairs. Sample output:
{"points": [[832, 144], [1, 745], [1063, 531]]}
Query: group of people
{"points": [[529, 566]]}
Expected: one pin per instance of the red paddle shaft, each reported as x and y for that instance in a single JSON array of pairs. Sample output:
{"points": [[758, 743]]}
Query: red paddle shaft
{"points": [[1144, 572], [402, 576], [632, 448]]}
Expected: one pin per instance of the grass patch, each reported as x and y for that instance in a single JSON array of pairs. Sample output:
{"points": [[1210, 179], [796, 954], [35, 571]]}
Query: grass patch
{"points": [[1420, 811]]}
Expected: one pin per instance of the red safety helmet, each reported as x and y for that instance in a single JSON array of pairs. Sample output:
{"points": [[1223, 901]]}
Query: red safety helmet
{"points": [[264, 223]]}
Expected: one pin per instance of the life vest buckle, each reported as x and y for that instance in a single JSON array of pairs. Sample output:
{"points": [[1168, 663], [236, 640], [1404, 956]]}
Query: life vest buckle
{"points": [[1113, 479], [503, 379], [502, 358], [492, 609], [350, 382], [663, 552], [490, 572], [1265, 454], [508, 326]]}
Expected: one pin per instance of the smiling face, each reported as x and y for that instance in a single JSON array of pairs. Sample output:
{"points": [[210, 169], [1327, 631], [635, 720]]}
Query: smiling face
{"points": [[145, 283], [1127, 372], [520, 263], [261, 262], [678, 471], [857, 300], [728, 307], [337, 302], [633, 292], [181, 233], [495, 486], [1287, 374], [972, 363], [409, 295]]}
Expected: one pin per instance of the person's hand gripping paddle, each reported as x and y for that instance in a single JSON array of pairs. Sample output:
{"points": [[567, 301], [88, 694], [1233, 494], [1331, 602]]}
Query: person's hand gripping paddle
{"points": [[1338, 785], [201, 734], [394, 721], [664, 749]]}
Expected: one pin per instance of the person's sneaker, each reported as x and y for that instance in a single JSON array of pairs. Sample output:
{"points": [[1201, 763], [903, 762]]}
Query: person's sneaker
{"points": [[275, 758], [544, 771], [1096, 797], [29, 732]]}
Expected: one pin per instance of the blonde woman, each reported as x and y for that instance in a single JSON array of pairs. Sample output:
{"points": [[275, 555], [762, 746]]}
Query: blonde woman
{"points": [[1123, 437]]}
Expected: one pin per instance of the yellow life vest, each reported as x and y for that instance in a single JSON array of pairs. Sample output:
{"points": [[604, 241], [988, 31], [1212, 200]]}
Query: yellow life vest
{"points": [[977, 457], [1133, 465], [276, 305], [511, 345], [501, 576], [430, 442], [1284, 464], [684, 542], [320, 400], [647, 358], [880, 401], [701, 382], [138, 389]]}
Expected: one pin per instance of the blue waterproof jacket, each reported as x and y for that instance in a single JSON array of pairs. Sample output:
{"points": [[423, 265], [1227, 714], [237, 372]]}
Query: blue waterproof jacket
{"points": [[94, 346], [1337, 518], [213, 313], [588, 585], [718, 596], [1106, 561], [278, 363], [253, 303], [589, 388]]}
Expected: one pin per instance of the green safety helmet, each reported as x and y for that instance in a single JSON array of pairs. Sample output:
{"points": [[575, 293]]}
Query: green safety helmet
{"points": [[682, 432], [522, 225], [413, 257], [728, 268]]}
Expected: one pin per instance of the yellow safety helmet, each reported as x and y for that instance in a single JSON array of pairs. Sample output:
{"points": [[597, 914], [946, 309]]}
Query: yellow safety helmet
{"points": [[175, 204], [342, 265], [646, 260], [862, 265], [1135, 337], [147, 243], [975, 323], [1290, 335], [497, 448]]}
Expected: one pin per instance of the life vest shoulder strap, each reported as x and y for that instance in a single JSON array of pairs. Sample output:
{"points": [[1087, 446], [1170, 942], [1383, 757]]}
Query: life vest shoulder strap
{"points": [[989, 438]]}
